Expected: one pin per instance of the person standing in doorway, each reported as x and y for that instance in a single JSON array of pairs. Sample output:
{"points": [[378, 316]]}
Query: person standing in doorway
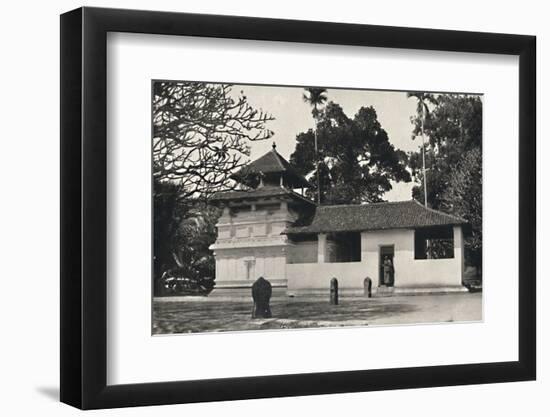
{"points": [[388, 271]]}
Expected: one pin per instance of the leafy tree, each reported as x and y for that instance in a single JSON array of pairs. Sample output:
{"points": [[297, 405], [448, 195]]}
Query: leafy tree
{"points": [[453, 128], [357, 160], [183, 231], [463, 197], [201, 134]]}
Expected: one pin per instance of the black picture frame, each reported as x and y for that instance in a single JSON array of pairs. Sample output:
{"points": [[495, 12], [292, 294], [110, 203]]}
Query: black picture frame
{"points": [[84, 197]]}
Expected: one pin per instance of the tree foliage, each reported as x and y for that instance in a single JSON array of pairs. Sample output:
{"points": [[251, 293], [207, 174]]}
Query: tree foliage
{"points": [[315, 97], [422, 103], [201, 134], [453, 127], [463, 197], [357, 160], [183, 231]]}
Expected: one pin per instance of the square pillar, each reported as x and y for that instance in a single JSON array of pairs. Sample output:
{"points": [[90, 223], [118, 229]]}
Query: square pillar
{"points": [[459, 249], [364, 252], [321, 247]]}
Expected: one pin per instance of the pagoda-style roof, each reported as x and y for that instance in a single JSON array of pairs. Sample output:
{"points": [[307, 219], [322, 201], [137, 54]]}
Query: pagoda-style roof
{"points": [[270, 168], [266, 192], [374, 216]]}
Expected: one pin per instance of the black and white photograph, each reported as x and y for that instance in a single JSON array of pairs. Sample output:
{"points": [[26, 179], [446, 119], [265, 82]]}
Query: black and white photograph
{"points": [[270, 209], [292, 207]]}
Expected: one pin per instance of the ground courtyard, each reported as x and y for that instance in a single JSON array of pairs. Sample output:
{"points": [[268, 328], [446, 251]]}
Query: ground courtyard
{"points": [[215, 314]]}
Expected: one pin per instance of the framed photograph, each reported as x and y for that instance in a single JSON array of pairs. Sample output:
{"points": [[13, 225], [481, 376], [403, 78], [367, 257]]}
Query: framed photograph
{"points": [[259, 208]]}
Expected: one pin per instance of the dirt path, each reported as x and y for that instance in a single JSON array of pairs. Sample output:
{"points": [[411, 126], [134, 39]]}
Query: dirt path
{"points": [[192, 314]]}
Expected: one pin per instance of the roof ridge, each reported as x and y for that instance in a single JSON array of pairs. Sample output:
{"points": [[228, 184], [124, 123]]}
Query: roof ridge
{"points": [[278, 157], [393, 202], [379, 203], [220, 195]]}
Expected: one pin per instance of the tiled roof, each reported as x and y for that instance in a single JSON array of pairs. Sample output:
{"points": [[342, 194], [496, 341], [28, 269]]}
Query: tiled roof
{"points": [[262, 192], [272, 163], [374, 216]]}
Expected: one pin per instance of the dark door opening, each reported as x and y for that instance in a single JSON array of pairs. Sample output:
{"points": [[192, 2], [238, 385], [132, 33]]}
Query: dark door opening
{"points": [[386, 275]]}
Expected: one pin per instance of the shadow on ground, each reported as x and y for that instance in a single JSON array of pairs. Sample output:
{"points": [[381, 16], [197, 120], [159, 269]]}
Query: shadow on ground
{"points": [[215, 316], [50, 392]]}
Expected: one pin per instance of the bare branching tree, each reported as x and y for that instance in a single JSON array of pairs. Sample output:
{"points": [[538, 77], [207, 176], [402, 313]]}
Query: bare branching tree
{"points": [[201, 133]]}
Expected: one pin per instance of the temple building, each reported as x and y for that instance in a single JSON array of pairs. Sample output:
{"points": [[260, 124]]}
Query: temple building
{"points": [[271, 229]]}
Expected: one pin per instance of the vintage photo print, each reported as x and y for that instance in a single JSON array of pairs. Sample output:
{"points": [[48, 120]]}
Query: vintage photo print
{"points": [[291, 207]]}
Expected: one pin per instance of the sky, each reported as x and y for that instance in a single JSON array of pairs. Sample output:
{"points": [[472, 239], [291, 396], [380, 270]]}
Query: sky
{"points": [[292, 116]]}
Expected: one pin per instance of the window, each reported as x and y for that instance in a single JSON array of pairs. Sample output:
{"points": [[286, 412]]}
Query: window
{"points": [[344, 247], [303, 249], [434, 243]]}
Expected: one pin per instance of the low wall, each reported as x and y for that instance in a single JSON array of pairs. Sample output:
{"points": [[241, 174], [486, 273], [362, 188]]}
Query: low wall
{"points": [[318, 276], [410, 272], [302, 252], [428, 273], [275, 283]]}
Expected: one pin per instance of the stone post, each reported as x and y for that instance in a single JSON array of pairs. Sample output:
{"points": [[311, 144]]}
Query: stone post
{"points": [[261, 294], [459, 250], [367, 287], [334, 291]]}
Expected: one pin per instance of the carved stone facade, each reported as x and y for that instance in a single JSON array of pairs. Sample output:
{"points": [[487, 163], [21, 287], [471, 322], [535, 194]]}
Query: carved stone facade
{"points": [[250, 243]]}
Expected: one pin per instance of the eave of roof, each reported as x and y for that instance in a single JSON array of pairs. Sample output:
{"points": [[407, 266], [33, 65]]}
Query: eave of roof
{"points": [[257, 193], [374, 216]]}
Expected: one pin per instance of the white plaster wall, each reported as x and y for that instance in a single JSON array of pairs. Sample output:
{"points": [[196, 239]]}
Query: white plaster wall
{"points": [[317, 276], [302, 252], [260, 266], [260, 229], [409, 272], [270, 263], [252, 235], [278, 227], [224, 232]]}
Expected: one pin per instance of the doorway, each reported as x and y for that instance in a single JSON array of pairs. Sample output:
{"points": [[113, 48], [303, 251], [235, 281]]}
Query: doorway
{"points": [[386, 270]]}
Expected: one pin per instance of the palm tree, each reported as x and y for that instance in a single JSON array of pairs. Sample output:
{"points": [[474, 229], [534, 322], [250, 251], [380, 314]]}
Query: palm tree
{"points": [[422, 110], [316, 97]]}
